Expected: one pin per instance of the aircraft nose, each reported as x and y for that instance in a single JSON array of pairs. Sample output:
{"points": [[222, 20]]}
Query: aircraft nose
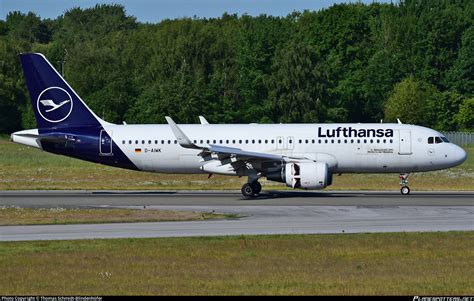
{"points": [[459, 155]]}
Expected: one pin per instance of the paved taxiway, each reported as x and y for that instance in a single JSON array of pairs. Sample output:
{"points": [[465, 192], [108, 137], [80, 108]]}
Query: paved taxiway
{"points": [[285, 212]]}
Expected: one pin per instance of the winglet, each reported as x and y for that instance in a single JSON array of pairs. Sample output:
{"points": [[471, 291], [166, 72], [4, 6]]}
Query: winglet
{"points": [[203, 120], [183, 140], [399, 122]]}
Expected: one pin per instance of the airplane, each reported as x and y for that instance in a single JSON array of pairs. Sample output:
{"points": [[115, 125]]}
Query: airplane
{"points": [[300, 155]]}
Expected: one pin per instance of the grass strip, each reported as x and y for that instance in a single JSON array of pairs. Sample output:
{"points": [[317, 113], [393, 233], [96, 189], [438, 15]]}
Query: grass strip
{"points": [[348, 264], [10, 216]]}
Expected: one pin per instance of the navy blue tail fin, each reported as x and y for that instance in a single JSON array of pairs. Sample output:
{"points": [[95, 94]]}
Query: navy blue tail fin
{"points": [[55, 103]]}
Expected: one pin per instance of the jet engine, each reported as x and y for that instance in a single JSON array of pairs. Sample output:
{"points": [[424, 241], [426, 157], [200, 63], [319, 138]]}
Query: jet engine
{"points": [[307, 175]]}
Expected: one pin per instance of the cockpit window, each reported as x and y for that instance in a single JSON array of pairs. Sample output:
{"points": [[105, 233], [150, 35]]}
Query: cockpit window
{"points": [[437, 140]]}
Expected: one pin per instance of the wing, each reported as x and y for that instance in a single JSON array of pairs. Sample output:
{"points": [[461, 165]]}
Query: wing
{"points": [[237, 157]]}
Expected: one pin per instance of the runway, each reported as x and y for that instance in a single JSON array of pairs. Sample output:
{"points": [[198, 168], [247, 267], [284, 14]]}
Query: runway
{"points": [[284, 212], [64, 198]]}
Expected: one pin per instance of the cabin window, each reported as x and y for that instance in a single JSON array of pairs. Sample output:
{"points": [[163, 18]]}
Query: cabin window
{"points": [[319, 141], [371, 141], [253, 141], [227, 142], [391, 140], [143, 141], [306, 141], [325, 141], [300, 141], [345, 141], [273, 141], [266, 141], [312, 141], [169, 141], [332, 140], [339, 141], [129, 141], [233, 141], [136, 141], [123, 141], [149, 141]]}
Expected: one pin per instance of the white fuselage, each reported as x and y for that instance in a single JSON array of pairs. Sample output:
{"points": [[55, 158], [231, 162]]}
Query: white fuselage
{"points": [[405, 149]]}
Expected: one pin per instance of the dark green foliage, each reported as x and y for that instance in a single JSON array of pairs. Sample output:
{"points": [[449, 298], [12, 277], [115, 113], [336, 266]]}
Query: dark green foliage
{"points": [[409, 101], [347, 63]]}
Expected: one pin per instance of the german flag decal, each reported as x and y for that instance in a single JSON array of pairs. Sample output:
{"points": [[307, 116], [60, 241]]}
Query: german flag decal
{"points": [[138, 150]]}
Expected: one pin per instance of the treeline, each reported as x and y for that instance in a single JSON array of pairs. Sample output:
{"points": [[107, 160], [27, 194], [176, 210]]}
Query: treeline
{"points": [[412, 60]]}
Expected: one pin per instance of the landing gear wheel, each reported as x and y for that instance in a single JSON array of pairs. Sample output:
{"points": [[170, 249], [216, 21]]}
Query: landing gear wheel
{"points": [[405, 190], [247, 191], [257, 187]]}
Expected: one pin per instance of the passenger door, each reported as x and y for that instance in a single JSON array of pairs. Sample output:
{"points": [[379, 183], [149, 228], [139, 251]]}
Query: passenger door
{"points": [[105, 144], [405, 142]]}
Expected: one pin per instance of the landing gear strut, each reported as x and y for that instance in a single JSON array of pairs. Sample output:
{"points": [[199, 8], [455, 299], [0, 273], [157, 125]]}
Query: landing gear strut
{"points": [[405, 190], [252, 188]]}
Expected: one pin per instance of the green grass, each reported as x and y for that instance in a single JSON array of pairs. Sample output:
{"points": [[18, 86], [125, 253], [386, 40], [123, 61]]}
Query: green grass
{"points": [[349, 264], [44, 216], [23, 167]]}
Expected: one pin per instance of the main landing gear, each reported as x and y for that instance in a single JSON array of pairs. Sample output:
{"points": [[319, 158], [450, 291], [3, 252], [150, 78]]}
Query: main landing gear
{"points": [[252, 189], [405, 190]]}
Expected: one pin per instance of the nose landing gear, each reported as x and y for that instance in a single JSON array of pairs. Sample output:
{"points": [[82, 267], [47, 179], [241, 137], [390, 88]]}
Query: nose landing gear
{"points": [[405, 190]]}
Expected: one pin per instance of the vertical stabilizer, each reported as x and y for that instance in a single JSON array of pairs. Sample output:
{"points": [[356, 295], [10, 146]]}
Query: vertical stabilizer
{"points": [[55, 103]]}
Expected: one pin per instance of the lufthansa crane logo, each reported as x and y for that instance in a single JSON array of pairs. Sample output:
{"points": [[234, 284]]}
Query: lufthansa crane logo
{"points": [[54, 104]]}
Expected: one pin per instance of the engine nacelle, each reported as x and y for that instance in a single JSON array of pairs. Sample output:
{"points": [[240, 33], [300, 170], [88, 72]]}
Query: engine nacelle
{"points": [[307, 175]]}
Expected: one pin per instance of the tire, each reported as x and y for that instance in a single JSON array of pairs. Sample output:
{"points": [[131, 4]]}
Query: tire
{"points": [[257, 187], [247, 191], [405, 190]]}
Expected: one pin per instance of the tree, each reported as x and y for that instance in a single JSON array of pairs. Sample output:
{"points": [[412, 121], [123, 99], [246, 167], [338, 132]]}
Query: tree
{"points": [[441, 109], [465, 117], [408, 101], [461, 76], [297, 85]]}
